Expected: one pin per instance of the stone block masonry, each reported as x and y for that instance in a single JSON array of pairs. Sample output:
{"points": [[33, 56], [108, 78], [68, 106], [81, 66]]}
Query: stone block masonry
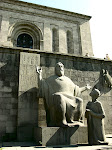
{"points": [[9, 69], [17, 16]]}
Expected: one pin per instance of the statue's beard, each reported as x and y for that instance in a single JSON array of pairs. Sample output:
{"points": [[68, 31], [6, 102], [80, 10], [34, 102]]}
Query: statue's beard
{"points": [[60, 73]]}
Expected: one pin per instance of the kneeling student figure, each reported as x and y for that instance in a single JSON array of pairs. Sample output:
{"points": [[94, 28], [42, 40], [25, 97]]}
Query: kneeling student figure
{"points": [[95, 114]]}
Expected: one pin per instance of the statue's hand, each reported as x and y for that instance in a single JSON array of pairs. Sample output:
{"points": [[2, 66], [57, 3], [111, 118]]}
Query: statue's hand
{"points": [[38, 70], [87, 110], [88, 87], [87, 113]]}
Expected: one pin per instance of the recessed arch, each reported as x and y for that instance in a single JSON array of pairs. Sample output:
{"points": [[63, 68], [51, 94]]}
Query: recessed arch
{"points": [[26, 28], [70, 48], [55, 40]]}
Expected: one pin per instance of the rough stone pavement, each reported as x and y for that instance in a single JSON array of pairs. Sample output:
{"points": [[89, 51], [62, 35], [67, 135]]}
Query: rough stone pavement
{"points": [[16, 146]]}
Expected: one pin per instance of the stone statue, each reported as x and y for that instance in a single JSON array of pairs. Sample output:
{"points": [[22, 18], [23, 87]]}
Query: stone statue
{"points": [[107, 78], [95, 114], [63, 106]]}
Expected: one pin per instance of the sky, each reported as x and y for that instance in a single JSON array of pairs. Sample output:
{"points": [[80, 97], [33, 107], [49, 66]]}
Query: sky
{"points": [[100, 23]]}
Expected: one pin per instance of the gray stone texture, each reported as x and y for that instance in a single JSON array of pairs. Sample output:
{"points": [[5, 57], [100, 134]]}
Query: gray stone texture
{"points": [[47, 136], [27, 98], [42, 121], [9, 69]]}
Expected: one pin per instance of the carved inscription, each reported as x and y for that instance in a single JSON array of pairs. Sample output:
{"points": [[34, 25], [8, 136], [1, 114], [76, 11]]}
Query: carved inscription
{"points": [[27, 74]]}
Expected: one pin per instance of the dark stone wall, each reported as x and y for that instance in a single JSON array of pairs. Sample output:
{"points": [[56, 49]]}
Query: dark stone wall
{"points": [[9, 71], [19, 87]]}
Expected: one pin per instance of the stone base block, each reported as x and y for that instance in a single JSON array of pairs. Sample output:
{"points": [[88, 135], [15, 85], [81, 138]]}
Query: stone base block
{"points": [[25, 133], [49, 136]]}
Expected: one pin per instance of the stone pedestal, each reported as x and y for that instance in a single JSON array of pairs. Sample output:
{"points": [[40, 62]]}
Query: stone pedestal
{"points": [[47, 136]]}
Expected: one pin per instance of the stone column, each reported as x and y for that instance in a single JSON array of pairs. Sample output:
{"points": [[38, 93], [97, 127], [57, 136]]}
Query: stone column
{"points": [[86, 39], [47, 37], [62, 40], [76, 40], [4, 31]]}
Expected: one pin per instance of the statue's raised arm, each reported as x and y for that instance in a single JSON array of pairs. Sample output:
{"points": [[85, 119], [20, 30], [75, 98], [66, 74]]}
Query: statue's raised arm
{"points": [[39, 71]]}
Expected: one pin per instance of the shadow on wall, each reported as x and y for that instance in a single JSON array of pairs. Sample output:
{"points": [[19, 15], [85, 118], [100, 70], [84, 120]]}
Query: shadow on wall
{"points": [[15, 110], [63, 136], [27, 114], [9, 71]]}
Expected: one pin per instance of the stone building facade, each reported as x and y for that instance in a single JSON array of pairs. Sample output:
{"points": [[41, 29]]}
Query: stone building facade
{"points": [[33, 35], [47, 29]]}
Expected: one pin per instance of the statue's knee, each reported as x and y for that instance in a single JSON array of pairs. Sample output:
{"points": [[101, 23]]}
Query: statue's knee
{"points": [[79, 100], [59, 98]]}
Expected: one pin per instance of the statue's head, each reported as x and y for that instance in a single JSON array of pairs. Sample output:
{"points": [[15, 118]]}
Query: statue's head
{"points": [[95, 93], [59, 69]]}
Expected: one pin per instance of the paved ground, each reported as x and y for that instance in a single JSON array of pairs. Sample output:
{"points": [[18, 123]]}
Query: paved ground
{"points": [[32, 146]]}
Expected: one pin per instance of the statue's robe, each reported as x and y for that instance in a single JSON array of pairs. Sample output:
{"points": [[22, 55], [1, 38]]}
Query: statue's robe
{"points": [[95, 123], [55, 88]]}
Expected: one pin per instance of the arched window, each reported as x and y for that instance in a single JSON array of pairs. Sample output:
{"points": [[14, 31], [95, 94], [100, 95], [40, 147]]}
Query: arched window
{"points": [[26, 35], [25, 40], [70, 42], [55, 40]]}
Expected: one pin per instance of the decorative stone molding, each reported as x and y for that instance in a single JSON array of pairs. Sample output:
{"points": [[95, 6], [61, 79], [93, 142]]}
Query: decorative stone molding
{"points": [[26, 27]]}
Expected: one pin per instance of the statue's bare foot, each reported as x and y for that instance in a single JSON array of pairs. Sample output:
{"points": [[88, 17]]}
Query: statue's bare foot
{"points": [[102, 143], [75, 123], [72, 121], [64, 123]]}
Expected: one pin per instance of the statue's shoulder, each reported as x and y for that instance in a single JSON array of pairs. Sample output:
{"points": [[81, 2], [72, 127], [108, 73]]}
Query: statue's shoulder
{"points": [[67, 78], [98, 103], [89, 103], [51, 78]]}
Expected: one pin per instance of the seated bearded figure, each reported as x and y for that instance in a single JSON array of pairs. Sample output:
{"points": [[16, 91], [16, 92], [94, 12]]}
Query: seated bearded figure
{"points": [[63, 105]]}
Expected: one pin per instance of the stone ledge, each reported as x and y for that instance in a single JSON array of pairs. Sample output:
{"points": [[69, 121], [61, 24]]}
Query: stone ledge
{"points": [[36, 51]]}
